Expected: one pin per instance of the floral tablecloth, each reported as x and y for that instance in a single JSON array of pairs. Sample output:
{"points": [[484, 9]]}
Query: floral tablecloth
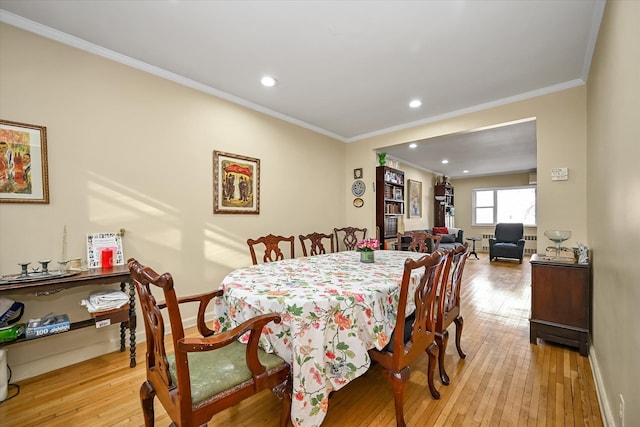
{"points": [[333, 307]]}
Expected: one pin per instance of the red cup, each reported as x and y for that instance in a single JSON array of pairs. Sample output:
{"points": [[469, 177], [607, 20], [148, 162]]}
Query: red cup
{"points": [[106, 257]]}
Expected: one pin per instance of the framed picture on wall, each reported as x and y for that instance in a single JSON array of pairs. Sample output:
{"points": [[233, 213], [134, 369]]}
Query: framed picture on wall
{"points": [[23, 163], [236, 184], [415, 199]]}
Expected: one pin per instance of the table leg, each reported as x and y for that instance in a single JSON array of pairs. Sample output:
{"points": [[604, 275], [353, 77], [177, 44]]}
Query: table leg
{"points": [[123, 326], [131, 325], [473, 250]]}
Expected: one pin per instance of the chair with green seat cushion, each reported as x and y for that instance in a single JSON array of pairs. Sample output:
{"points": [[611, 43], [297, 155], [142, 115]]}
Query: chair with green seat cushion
{"points": [[230, 365], [205, 374]]}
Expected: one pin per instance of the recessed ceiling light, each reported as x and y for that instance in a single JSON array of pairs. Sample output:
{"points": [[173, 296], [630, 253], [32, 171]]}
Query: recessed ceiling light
{"points": [[445, 161], [465, 171], [268, 81], [415, 103], [413, 145]]}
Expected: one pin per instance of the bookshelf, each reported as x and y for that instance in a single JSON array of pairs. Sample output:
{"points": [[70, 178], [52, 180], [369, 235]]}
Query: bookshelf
{"points": [[390, 201]]}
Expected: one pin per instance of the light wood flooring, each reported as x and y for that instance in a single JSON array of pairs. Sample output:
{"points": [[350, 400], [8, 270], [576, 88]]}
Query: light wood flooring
{"points": [[504, 381]]}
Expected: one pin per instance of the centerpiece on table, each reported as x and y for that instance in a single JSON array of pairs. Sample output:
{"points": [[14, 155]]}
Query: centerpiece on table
{"points": [[366, 248]]}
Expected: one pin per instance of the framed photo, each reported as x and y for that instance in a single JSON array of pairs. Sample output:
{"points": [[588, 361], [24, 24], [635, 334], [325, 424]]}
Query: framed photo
{"points": [[23, 163], [397, 194], [357, 173], [415, 199], [96, 242], [236, 184]]}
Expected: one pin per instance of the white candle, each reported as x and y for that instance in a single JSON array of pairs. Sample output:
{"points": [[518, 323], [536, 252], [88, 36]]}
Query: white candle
{"points": [[64, 243]]}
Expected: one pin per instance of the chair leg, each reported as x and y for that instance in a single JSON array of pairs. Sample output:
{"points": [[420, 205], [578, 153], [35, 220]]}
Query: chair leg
{"points": [[397, 380], [441, 341], [285, 416], [459, 321], [284, 392], [147, 394], [431, 369]]}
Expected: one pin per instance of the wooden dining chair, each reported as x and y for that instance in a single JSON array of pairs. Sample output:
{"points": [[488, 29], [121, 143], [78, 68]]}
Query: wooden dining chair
{"points": [[315, 241], [272, 250], [435, 239], [418, 241], [413, 334], [448, 300], [207, 374], [349, 236]]}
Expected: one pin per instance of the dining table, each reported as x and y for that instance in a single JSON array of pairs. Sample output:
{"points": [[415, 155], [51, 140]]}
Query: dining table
{"points": [[334, 308]]}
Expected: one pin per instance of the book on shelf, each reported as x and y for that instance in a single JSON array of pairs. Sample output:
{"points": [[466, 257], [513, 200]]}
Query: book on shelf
{"points": [[388, 192], [390, 226]]}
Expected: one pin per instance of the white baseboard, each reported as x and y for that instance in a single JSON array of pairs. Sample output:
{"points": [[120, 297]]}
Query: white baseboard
{"points": [[608, 418]]}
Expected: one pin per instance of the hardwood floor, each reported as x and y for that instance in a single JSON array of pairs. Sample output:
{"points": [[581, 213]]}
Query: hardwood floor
{"points": [[504, 381]]}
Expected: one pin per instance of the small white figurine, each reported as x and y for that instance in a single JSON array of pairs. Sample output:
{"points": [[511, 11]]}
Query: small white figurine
{"points": [[583, 254]]}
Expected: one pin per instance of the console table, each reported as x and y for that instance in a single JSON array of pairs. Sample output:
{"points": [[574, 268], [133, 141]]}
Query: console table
{"points": [[560, 303], [106, 276]]}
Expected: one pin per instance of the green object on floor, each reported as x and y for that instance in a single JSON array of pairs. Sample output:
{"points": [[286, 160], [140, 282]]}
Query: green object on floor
{"points": [[12, 332]]}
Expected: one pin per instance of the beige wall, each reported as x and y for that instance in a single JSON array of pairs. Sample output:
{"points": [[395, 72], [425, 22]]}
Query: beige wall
{"points": [[613, 152], [130, 150]]}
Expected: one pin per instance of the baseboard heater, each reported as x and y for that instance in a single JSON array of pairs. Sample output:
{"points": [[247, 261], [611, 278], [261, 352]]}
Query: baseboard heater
{"points": [[527, 238]]}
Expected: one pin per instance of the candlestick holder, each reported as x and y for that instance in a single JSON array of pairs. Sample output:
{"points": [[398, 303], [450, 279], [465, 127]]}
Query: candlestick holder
{"points": [[557, 236]]}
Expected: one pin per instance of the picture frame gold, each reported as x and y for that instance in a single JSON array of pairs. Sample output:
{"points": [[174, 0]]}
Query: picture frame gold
{"points": [[24, 175], [415, 199], [236, 184]]}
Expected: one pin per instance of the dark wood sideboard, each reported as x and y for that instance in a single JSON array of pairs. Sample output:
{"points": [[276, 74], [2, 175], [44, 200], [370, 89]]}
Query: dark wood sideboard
{"points": [[99, 276], [560, 303]]}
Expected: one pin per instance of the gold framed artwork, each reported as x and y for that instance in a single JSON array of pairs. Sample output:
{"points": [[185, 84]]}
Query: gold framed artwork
{"points": [[415, 198], [23, 163], [236, 184]]}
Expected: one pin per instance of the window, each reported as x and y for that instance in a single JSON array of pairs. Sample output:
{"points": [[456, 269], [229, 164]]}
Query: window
{"points": [[514, 204]]}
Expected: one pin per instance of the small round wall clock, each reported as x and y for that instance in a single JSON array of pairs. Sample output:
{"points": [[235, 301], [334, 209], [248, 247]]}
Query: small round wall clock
{"points": [[358, 187], [358, 202]]}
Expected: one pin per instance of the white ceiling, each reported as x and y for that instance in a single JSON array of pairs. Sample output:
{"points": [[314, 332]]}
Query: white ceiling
{"points": [[506, 148], [346, 69]]}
